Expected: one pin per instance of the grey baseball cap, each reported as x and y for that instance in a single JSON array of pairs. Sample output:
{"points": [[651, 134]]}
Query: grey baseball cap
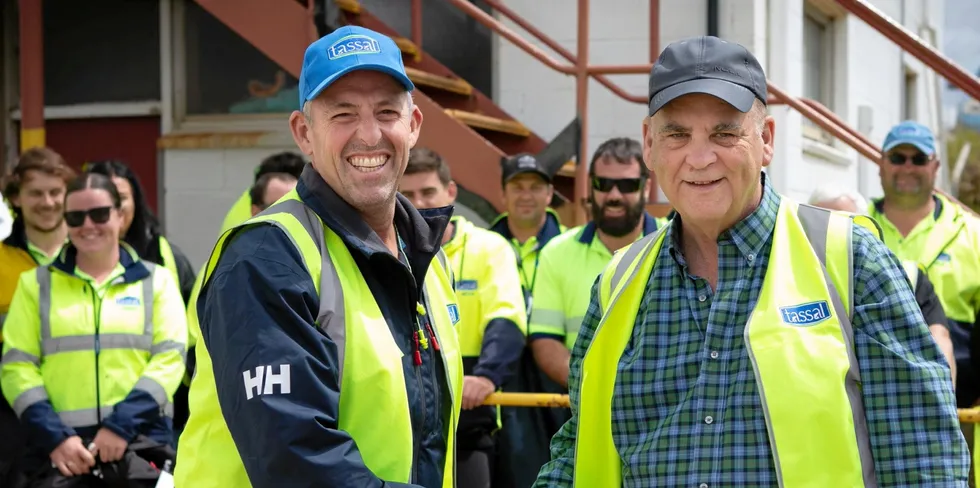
{"points": [[708, 65]]}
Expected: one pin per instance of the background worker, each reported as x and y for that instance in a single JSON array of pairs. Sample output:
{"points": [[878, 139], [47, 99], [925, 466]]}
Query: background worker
{"points": [[731, 324], [528, 223], [36, 190], [140, 227], [94, 346], [924, 227], [284, 162], [569, 264], [328, 351], [493, 319], [831, 198]]}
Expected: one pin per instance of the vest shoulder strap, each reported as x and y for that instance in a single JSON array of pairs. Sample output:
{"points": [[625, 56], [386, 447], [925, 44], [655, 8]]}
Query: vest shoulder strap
{"points": [[830, 234], [624, 261], [912, 271]]}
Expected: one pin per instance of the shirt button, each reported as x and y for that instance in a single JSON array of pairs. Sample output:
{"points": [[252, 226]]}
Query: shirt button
{"points": [[703, 485], [702, 298], [750, 257], [708, 419], [714, 354]]}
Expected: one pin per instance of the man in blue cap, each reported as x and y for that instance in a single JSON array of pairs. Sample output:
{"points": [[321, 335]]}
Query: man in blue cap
{"points": [[329, 353], [921, 226]]}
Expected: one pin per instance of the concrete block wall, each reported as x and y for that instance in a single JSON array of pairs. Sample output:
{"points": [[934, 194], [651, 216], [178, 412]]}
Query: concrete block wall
{"points": [[544, 100], [200, 187]]}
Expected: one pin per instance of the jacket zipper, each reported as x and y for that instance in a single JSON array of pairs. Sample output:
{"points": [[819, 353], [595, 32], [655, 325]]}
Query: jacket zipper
{"points": [[417, 434], [449, 385], [97, 304]]}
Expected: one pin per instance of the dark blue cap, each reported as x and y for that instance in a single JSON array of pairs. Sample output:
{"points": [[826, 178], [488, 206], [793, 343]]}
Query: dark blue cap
{"points": [[708, 65], [349, 48]]}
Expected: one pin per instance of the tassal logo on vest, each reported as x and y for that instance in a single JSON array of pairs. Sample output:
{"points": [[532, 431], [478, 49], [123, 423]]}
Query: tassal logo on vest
{"points": [[453, 313], [806, 314], [128, 302], [353, 44], [264, 381]]}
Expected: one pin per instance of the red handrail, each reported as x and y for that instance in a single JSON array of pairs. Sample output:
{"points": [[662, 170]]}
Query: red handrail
{"points": [[911, 43], [812, 110]]}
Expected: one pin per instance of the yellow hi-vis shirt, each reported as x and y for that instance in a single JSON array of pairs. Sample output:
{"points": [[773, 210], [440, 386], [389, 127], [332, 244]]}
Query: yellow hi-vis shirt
{"points": [[487, 285], [799, 340], [947, 245], [567, 268]]}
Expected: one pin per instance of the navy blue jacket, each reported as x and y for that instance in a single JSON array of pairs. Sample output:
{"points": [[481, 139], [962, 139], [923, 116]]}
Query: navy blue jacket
{"points": [[137, 414], [259, 309]]}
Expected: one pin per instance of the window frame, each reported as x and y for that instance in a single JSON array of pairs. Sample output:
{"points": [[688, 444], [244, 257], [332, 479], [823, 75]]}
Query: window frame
{"points": [[828, 71], [183, 122]]}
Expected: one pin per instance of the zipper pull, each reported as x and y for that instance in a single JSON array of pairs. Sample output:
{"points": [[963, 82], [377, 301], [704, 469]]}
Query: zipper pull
{"points": [[415, 344], [420, 308], [435, 341], [424, 341]]}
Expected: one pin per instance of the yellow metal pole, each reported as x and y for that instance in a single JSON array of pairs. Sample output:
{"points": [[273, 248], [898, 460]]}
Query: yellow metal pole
{"points": [[527, 400]]}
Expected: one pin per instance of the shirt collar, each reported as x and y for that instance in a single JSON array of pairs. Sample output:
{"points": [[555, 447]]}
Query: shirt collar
{"points": [[749, 235]]}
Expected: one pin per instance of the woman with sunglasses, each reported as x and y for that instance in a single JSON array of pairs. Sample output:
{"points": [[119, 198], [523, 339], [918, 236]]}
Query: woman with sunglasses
{"points": [[140, 227], [94, 345]]}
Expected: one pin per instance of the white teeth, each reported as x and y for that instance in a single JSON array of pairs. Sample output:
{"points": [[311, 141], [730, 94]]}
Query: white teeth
{"points": [[368, 165]]}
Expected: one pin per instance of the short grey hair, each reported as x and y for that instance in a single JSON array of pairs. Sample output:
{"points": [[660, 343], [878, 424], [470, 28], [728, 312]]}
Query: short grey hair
{"points": [[827, 193]]}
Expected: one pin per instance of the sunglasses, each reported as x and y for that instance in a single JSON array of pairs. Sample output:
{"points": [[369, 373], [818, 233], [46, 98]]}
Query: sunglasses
{"points": [[625, 185], [99, 215], [919, 159]]}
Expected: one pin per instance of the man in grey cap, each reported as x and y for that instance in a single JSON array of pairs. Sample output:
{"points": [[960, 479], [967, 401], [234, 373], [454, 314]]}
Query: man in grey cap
{"points": [[754, 341]]}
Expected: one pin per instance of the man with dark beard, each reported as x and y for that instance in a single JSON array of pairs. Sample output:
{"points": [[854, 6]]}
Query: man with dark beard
{"points": [[570, 263]]}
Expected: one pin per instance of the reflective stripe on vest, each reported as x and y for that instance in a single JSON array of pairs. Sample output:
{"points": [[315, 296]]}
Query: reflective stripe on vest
{"points": [[912, 270], [810, 263], [370, 371], [51, 345]]}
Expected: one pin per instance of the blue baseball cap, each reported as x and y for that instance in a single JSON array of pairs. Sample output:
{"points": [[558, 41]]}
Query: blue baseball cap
{"points": [[913, 134], [349, 48]]}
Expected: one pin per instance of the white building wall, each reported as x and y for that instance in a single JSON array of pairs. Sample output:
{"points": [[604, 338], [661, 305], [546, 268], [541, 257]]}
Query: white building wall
{"points": [[868, 75]]}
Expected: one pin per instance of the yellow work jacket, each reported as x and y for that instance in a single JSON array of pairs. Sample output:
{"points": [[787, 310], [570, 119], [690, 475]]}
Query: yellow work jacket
{"points": [[371, 377], [799, 340], [75, 350]]}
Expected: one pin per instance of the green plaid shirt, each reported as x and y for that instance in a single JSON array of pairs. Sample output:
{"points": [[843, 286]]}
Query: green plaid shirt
{"points": [[686, 411]]}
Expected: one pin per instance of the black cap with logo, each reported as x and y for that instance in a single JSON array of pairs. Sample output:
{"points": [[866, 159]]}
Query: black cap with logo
{"points": [[521, 164], [708, 65]]}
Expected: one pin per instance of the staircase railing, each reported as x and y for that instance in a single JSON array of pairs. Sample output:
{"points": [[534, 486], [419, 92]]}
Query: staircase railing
{"points": [[812, 110]]}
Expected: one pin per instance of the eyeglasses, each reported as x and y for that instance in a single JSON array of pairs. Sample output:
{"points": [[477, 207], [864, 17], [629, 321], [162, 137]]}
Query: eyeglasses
{"points": [[919, 159], [99, 215], [625, 185]]}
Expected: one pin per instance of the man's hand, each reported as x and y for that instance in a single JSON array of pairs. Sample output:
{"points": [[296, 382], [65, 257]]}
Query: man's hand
{"points": [[71, 458], [476, 389], [109, 446]]}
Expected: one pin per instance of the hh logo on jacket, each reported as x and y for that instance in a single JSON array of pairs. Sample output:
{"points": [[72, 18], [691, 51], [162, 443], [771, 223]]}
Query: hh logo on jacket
{"points": [[264, 381]]}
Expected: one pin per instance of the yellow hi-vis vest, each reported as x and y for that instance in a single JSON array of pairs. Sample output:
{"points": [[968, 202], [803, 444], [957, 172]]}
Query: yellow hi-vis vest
{"points": [[132, 338], [372, 382], [799, 339]]}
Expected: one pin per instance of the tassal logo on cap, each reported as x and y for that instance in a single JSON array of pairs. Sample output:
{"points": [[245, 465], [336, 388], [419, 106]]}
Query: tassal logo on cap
{"points": [[526, 162], [353, 44]]}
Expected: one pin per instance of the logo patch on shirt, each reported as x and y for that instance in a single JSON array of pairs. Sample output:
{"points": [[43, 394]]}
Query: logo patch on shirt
{"points": [[807, 314], [466, 285], [351, 45], [128, 302], [453, 313]]}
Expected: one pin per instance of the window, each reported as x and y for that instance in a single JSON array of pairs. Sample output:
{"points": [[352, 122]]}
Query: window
{"points": [[224, 74], [910, 99], [818, 66], [104, 51]]}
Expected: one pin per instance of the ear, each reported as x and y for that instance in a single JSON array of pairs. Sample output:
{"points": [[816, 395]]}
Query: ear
{"points": [[301, 130], [415, 124], [255, 210], [647, 140], [647, 186], [452, 189], [768, 140], [14, 200]]}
